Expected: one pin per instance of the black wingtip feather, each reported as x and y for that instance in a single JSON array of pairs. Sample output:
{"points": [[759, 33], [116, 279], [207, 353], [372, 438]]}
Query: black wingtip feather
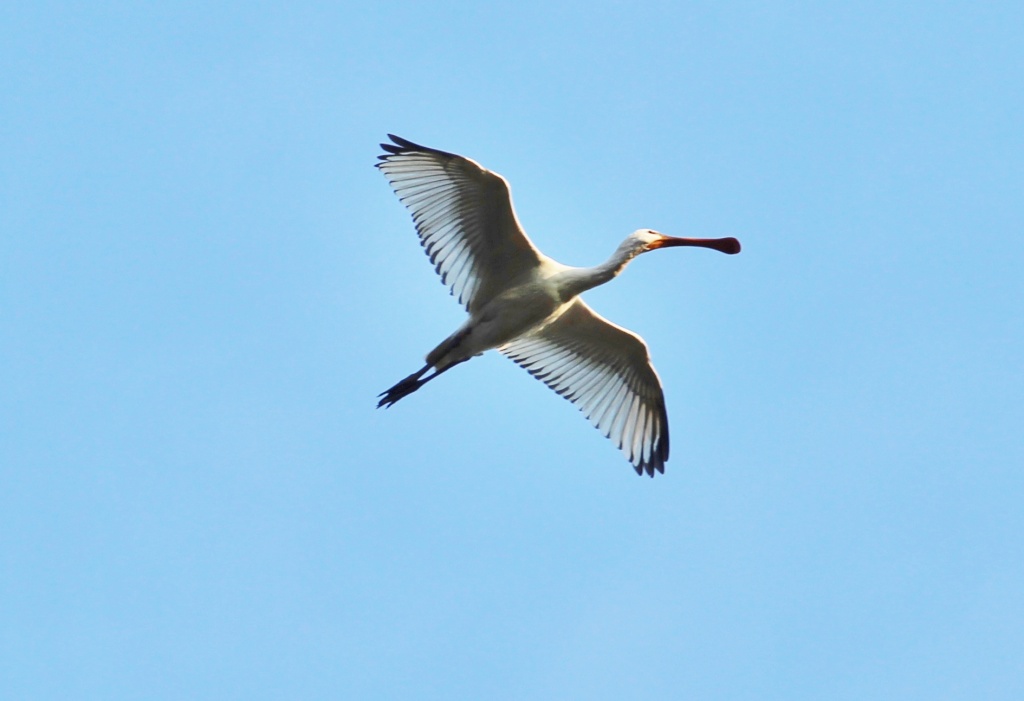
{"points": [[404, 143], [650, 467], [399, 146], [403, 146]]}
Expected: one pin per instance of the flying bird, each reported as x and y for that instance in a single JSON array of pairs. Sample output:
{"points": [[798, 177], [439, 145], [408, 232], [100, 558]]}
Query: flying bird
{"points": [[526, 305]]}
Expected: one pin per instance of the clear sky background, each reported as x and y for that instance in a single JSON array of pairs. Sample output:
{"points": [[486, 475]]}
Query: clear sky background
{"points": [[204, 283]]}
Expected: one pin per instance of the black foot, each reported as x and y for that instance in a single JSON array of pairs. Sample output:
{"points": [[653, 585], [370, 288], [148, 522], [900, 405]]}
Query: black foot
{"points": [[402, 389]]}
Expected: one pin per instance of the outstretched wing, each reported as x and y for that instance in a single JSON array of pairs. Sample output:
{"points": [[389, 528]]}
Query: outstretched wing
{"points": [[606, 372], [463, 214]]}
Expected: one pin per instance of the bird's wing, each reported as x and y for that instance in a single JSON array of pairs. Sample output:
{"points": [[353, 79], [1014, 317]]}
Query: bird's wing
{"points": [[606, 372], [463, 214]]}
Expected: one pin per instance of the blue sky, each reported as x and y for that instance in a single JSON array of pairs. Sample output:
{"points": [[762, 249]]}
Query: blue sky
{"points": [[205, 283]]}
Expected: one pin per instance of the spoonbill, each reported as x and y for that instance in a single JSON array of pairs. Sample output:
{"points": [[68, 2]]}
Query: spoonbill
{"points": [[526, 305]]}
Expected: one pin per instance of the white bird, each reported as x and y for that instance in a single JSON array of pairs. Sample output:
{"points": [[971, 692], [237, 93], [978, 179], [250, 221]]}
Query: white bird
{"points": [[526, 305]]}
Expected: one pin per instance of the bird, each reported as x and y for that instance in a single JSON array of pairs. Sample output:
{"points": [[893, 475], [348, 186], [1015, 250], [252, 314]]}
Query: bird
{"points": [[526, 305]]}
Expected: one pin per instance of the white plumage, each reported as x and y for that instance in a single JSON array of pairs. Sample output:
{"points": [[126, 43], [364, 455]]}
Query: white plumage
{"points": [[526, 305]]}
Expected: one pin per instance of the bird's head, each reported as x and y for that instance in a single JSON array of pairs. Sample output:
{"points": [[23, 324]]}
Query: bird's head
{"points": [[646, 240]]}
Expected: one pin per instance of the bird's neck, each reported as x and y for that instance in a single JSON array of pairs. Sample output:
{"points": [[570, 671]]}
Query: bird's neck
{"points": [[579, 280]]}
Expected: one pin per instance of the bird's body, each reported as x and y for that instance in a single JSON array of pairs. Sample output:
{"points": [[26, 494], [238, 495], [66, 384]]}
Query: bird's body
{"points": [[526, 305], [508, 315]]}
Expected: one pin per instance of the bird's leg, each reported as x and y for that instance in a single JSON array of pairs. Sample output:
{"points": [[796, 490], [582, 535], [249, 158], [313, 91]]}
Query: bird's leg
{"points": [[410, 384], [440, 357], [403, 388]]}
